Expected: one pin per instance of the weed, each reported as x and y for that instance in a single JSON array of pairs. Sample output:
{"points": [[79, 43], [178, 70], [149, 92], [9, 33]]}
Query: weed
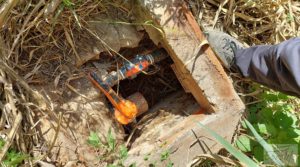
{"points": [[164, 155], [290, 18], [71, 6], [123, 153], [111, 141], [244, 143], [146, 157], [275, 120], [68, 3], [12, 157], [2, 143], [118, 154], [94, 140], [170, 164], [236, 153], [267, 147], [132, 165]]}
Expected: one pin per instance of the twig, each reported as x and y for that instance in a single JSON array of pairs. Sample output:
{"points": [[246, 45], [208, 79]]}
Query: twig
{"points": [[57, 129], [11, 135]]}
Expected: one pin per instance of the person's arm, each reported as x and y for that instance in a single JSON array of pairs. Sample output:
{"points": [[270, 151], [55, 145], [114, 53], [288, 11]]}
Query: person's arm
{"points": [[276, 66]]}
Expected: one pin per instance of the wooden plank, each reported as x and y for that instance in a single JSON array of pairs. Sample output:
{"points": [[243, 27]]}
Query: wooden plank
{"points": [[197, 66]]}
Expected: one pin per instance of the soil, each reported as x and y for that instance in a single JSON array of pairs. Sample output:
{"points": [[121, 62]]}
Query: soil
{"points": [[79, 108]]}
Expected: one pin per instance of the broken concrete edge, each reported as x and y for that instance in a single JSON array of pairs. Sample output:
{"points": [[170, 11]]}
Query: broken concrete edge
{"points": [[103, 35], [187, 140], [213, 98]]}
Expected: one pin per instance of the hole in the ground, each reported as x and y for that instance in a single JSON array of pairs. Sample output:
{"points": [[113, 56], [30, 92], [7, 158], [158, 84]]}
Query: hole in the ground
{"points": [[158, 82]]}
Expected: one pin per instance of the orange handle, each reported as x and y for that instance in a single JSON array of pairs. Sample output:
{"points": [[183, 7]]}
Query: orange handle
{"points": [[125, 110]]}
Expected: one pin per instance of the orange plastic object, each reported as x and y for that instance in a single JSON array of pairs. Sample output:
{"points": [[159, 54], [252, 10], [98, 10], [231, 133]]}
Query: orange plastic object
{"points": [[127, 108], [121, 118]]}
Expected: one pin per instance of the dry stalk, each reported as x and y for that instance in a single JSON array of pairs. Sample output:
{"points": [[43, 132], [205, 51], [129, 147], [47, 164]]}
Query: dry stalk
{"points": [[51, 7], [23, 29], [5, 10], [218, 159], [11, 135], [39, 99], [57, 129], [259, 22]]}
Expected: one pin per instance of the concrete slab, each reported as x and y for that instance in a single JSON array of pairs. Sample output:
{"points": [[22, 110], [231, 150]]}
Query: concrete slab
{"points": [[171, 25]]}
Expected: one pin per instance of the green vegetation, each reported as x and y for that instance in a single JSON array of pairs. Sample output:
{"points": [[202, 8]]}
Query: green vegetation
{"points": [[146, 157], [276, 121], [230, 148], [94, 140], [111, 141], [12, 157], [118, 153], [164, 155], [68, 3]]}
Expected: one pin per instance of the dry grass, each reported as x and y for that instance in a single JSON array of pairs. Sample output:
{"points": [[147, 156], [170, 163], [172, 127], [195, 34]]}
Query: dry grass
{"points": [[253, 21], [37, 39], [40, 31]]}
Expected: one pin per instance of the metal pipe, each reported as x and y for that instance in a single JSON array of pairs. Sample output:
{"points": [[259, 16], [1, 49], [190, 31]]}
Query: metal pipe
{"points": [[135, 67]]}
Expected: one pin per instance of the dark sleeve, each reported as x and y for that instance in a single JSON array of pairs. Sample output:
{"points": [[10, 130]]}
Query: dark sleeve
{"points": [[276, 66]]}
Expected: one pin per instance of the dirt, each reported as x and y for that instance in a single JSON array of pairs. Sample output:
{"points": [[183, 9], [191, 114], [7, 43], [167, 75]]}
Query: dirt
{"points": [[81, 112], [78, 108]]}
